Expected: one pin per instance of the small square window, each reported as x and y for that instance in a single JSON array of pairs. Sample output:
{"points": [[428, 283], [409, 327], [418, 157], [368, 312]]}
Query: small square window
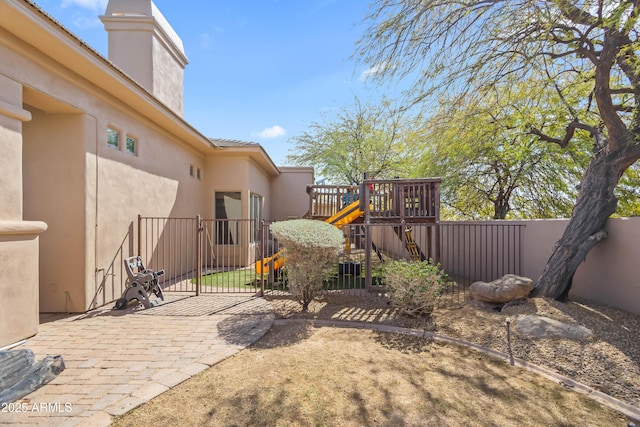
{"points": [[198, 174], [113, 138], [191, 171], [132, 146]]}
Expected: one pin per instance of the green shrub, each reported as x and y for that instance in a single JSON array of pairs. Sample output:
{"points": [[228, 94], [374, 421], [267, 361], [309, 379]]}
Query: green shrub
{"points": [[310, 249], [414, 286]]}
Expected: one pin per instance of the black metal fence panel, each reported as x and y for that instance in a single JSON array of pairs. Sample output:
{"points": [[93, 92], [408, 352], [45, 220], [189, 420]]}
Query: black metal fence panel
{"points": [[230, 249], [213, 256], [481, 251]]}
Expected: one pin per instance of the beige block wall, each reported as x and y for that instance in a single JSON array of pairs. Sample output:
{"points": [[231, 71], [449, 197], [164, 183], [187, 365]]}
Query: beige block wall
{"points": [[608, 275], [18, 238], [289, 198], [18, 284], [93, 201], [539, 238], [54, 192], [11, 117]]}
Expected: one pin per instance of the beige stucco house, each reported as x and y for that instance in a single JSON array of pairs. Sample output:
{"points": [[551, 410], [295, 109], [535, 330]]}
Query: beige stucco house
{"points": [[88, 143]]}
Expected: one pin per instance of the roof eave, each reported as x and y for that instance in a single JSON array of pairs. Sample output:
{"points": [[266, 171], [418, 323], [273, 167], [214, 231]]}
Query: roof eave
{"points": [[258, 154], [30, 23]]}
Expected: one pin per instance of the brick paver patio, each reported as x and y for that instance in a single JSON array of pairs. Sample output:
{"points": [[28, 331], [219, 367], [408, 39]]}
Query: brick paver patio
{"points": [[117, 360]]}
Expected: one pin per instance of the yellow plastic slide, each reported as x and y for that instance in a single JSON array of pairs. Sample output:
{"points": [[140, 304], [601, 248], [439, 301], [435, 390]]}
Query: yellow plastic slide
{"points": [[345, 216], [263, 266]]}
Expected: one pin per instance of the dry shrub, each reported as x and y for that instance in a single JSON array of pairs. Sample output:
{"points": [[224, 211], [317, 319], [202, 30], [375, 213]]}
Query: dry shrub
{"points": [[414, 286], [310, 250]]}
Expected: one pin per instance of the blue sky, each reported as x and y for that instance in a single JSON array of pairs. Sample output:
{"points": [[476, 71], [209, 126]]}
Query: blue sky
{"points": [[259, 70]]}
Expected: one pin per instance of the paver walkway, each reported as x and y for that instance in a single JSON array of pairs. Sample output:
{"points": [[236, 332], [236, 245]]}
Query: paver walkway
{"points": [[117, 360]]}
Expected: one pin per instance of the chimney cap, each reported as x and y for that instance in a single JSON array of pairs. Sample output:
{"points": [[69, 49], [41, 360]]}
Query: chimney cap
{"points": [[135, 10]]}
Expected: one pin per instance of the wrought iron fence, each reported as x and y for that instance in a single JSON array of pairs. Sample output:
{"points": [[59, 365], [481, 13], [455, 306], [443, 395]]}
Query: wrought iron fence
{"points": [[170, 244], [473, 251], [205, 255], [201, 255], [466, 251], [480, 251], [230, 249]]}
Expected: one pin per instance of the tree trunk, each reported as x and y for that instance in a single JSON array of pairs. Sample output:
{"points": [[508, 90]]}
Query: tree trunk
{"points": [[501, 208], [595, 203]]}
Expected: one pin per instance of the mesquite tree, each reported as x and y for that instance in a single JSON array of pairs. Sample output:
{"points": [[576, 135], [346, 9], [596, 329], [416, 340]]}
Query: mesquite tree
{"points": [[492, 167], [468, 46], [362, 137]]}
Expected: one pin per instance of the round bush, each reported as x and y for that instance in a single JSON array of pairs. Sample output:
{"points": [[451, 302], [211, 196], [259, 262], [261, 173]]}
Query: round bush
{"points": [[307, 233], [414, 286], [310, 250]]}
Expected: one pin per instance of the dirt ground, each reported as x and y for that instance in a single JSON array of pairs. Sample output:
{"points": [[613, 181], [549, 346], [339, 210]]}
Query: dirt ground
{"points": [[301, 375]]}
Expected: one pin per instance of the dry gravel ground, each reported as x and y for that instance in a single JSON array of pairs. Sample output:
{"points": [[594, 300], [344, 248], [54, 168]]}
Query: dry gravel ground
{"points": [[609, 361], [301, 375]]}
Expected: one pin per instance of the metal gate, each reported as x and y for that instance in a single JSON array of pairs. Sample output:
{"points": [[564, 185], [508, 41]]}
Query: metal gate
{"points": [[202, 255]]}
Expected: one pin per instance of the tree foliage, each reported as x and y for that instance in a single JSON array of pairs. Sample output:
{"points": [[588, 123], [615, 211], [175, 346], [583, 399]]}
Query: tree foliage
{"points": [[362, 138], [628, 192], [492, 166], [468, 47]]}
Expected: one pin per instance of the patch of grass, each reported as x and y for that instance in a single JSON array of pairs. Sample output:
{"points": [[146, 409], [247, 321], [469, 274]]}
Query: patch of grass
{"points": [[238, 279]]}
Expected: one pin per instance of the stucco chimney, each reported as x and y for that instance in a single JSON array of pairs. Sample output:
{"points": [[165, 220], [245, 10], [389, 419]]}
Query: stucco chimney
{"points": [[146, 47]]}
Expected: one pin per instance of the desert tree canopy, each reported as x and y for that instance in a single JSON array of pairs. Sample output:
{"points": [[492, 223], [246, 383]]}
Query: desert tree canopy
{"points": [[492, 166], [379, 139], [467, 47]]}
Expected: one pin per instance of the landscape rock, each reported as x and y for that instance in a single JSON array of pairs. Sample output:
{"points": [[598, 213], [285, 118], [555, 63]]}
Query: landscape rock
{"points": [[543, 327], [508, 288]]}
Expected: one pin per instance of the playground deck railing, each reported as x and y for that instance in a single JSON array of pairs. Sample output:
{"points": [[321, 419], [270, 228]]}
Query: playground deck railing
{"points": [[391, 200]]}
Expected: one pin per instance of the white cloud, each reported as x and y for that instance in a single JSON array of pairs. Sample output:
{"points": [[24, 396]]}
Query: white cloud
{"points": [[87, 4], [272, 132], [372, 71]]}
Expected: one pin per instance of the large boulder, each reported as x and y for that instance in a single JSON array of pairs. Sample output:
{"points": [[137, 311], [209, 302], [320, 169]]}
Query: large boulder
{"points": [[508, 288], [543, 327]]}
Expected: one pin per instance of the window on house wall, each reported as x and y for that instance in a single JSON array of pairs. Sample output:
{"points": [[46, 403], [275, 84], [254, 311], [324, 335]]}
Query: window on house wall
{"points": [[255, 214], [199, 174], [228, 213], [132, 145], [191, 171], [113, 138]]}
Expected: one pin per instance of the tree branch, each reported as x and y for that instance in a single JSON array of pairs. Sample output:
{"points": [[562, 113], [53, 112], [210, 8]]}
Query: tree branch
{"points": [[569, 131]]}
